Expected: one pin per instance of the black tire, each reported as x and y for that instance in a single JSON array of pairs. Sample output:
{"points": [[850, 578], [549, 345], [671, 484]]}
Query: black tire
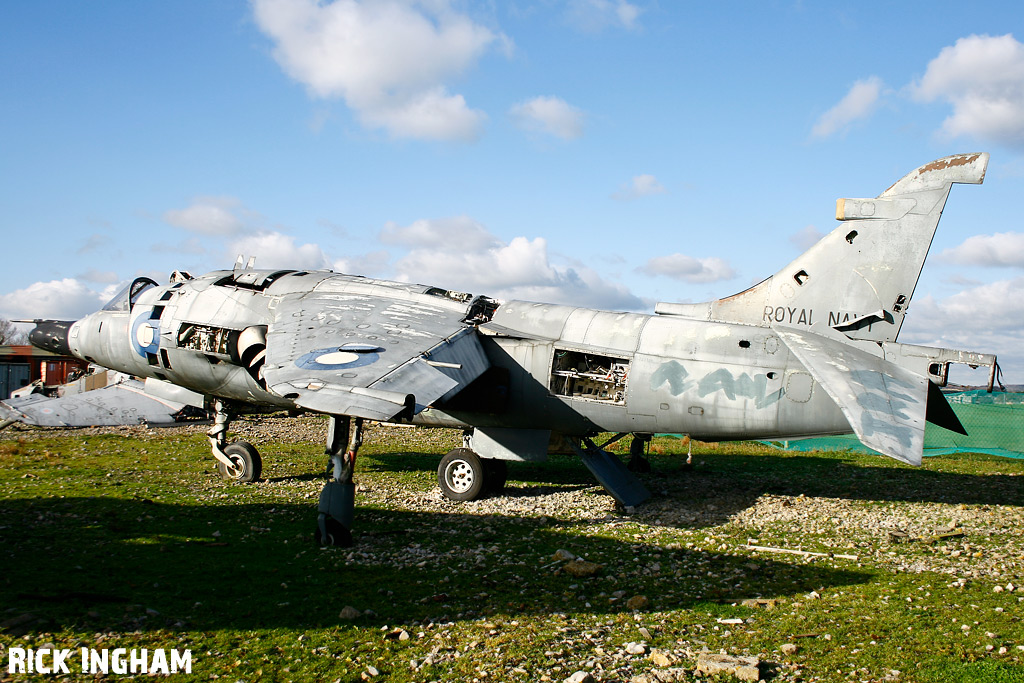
{"points": [[248, 463], [461, 475], [495, 475], [640, 465], [337, 534]]}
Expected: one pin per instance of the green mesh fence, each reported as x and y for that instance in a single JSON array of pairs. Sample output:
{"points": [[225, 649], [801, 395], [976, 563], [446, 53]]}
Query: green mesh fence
{"points": [[994, 424]]}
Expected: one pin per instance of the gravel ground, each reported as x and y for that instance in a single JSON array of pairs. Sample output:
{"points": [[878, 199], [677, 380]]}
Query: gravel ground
{"points": [[988, 544]]}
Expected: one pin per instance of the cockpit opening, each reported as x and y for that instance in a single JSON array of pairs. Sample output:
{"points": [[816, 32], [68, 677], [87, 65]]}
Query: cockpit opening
{"points": [[125, 299]]}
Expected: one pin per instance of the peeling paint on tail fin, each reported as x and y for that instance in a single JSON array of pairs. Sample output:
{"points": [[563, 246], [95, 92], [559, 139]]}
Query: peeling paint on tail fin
{"points": [[860, 277]]}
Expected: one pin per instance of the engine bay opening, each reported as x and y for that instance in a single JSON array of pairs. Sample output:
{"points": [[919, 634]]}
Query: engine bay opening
{"points": [[589, 376]]}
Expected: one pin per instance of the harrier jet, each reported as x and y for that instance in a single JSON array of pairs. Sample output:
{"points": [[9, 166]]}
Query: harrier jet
{"points": [[811, 350]]}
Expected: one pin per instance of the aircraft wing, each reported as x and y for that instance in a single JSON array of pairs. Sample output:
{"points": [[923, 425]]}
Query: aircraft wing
{"points": [[885, 404], [126, 403], [381, 356]]}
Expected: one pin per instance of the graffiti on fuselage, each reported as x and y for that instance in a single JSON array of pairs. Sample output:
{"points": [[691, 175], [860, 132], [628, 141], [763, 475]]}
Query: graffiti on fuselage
{"points": [[734, 386]]}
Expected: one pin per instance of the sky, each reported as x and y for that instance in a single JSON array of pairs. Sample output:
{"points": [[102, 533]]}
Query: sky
{"points": [[601, 153]]}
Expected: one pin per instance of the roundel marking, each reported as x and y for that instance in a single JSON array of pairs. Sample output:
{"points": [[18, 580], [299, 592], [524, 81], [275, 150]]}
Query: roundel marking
{"points": [[145, 334], [336, 357]]}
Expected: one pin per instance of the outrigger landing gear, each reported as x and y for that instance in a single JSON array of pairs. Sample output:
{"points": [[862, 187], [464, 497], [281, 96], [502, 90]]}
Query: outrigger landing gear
{"points": [[637, 450], [338, 498], [238, 460]]}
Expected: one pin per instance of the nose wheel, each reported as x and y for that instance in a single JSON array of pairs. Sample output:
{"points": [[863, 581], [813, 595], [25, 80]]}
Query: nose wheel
{"points": [[238, 460], [247, 465]]}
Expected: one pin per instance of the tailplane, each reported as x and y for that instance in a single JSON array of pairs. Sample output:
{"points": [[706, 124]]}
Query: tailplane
{"points": [[859, 278]]}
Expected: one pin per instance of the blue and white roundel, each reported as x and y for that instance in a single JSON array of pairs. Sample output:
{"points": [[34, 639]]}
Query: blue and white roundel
{"points": [[145, 333], [334, 357]]}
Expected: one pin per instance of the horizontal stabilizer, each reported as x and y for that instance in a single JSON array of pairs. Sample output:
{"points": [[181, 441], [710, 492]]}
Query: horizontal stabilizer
{"points": [[941, 413], [884, 403]]}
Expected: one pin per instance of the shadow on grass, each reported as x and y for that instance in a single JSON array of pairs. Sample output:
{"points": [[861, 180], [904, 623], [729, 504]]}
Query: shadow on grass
{"points": [[95, 564]]}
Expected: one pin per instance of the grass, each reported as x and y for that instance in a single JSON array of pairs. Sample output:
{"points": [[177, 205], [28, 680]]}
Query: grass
{"points": [[129, 539]]}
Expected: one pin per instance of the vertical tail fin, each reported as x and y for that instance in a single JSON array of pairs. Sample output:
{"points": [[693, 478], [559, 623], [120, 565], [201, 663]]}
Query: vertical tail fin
{"points": [[860, 277]]}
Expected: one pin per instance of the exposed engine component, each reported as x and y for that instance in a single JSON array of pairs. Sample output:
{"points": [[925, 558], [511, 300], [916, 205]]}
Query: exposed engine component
{"points": [[589, 376]]}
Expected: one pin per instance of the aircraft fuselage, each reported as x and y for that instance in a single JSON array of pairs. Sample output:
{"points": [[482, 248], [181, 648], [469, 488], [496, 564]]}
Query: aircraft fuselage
{"points": [[575, 371]]}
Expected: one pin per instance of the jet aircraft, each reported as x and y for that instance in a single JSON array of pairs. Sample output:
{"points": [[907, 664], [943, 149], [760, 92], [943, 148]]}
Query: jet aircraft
{"points": [[810, 350]]}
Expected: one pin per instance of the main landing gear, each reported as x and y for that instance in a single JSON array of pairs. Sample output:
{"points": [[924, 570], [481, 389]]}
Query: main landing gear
{"points": [[464, 475], [238, 460], [337, 500]]}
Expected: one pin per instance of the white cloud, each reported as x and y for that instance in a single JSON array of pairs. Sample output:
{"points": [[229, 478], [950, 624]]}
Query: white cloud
{"points": [[550, 115], [859, 103], [690, 269], [277, 250], [643, 185], [389, 60], [67, 299], [1001, 249], [983, 78], [593, 16], [988, 318], [371, 264], [459, 232], [806, 238], [519, 269], [207, 216]]}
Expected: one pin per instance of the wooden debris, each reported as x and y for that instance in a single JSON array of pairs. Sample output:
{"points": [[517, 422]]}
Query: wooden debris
{"points": [[804, 553]]}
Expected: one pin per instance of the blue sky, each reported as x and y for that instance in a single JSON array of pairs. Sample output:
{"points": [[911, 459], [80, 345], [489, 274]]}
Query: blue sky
{"points": [[606, 153]]}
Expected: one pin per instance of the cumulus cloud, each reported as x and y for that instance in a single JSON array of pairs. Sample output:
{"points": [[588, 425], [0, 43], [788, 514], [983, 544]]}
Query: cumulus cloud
{"points": [[594, 16], [982, 77], [371, 264], [859, 103], [549, 115], [1001, 249], [461, 232], [277, 250], [690, 269], [207, 216], [66, 299], [806, 238], [643, 185], [988, 318], [519, 269], [388, 60]]}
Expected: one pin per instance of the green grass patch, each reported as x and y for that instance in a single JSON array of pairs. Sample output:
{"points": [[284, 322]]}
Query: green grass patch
{"points": [[128, 539]]}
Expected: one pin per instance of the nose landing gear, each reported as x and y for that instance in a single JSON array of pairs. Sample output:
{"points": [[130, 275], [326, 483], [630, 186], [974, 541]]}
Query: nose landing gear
{"points": [[238, 460]]}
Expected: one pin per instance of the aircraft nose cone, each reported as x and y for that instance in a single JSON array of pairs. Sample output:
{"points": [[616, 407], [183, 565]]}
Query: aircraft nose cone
{"points": [[52, 335]]}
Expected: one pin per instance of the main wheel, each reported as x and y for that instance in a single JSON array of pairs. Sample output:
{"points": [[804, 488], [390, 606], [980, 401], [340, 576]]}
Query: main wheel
{"points": [[247, 462], [337, 534], [639, 464], [495, 475], [461, 475]]}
